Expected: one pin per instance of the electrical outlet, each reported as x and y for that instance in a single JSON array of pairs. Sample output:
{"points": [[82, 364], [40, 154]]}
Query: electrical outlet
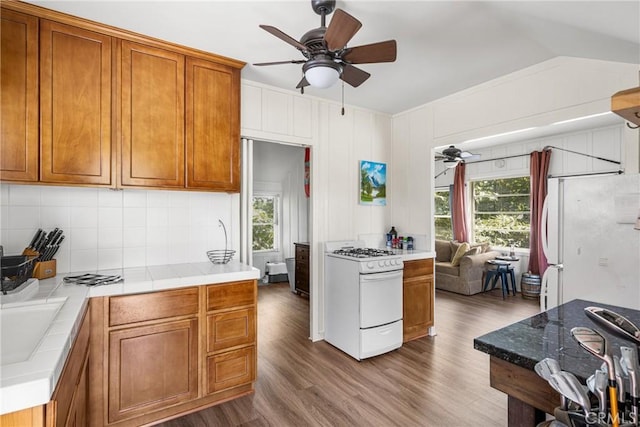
{"points": [[603, 262]]}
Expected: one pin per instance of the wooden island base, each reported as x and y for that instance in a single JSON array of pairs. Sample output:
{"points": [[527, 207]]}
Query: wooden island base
{"points": [[529, 396]]}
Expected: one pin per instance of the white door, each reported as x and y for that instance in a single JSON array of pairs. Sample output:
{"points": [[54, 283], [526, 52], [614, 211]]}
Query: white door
{"points": [[380, 298]]}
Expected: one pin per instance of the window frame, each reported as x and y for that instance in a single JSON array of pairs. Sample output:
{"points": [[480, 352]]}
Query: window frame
{"points": [[472, 209], [276, 220], [449, 190]]}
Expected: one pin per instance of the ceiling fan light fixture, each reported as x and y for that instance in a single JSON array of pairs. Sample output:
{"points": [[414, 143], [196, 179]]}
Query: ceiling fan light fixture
{"points": [[321, 73], [451, 163]]}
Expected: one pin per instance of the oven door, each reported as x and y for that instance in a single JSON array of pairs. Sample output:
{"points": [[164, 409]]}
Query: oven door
{"points": [[380, 298]]}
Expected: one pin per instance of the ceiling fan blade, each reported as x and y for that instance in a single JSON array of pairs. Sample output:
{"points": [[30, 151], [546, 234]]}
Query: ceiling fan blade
{"points": [[282, 36], [353, 75], [293, 61], [472, 157], [303, 83], [371, 53], [340, 30]]}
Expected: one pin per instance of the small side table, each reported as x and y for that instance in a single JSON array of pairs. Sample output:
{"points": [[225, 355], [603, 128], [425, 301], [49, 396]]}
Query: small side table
{"points": [[503, 271]]}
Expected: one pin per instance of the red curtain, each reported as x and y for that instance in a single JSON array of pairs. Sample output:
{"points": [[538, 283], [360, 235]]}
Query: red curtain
{"points": [[307, 171], [539, 167], [459, 205]]}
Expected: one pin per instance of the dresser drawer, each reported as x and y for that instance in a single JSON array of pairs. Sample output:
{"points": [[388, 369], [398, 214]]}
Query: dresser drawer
{"points": [[152, 306], [230, 295], [230, 329]]}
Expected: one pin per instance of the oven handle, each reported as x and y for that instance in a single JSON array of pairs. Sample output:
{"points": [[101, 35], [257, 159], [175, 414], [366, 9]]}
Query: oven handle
{"points": [[377, 277]]}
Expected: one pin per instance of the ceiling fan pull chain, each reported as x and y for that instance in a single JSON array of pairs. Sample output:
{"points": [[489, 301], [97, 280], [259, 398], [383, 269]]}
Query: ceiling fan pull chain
{"points": [[343, 97]]}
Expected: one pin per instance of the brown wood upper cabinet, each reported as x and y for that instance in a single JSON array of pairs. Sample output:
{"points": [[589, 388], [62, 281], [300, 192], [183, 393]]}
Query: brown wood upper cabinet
{"points": [[152, 99], [171, 113], [213, 125], [75, 105], [19, 100]]}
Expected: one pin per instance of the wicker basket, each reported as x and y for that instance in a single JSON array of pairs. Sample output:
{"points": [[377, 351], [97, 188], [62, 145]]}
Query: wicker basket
{"points": [[221, 256]]}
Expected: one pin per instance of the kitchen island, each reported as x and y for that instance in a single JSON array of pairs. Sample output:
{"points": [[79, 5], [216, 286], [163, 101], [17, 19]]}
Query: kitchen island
{"points": [[209, 307], [515, 349]]}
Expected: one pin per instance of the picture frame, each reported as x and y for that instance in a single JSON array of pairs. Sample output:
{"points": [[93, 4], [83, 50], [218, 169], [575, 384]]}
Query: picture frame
{"points": [[373, 183]]}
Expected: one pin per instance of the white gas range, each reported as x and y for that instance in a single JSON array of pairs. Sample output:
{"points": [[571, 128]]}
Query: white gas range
{"points": [[363, 299]]}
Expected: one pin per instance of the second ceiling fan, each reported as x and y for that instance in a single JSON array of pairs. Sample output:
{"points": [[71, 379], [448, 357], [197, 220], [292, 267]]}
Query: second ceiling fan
{"points": [[325, 48]]}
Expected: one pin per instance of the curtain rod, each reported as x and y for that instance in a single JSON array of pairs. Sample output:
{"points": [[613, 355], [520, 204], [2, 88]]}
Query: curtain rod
{"points": [[547, 147], [582, 154], [618, 172]]}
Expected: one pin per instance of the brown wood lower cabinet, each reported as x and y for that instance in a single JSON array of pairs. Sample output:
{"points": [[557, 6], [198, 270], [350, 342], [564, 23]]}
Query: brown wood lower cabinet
{"points": [[418, 294], [152, 367], [162, 354]]}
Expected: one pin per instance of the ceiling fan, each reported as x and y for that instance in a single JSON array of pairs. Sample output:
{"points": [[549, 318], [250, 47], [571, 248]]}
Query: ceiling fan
{"points": [[325, 48], [451, 156]]}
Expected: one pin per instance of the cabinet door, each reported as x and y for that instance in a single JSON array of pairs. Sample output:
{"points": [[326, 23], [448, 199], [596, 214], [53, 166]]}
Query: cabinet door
{"points": [[75, 105], [417, 306], [213, 126], [19, 100], [152, 367], [231, 369], [78, 412], [152, 116]]}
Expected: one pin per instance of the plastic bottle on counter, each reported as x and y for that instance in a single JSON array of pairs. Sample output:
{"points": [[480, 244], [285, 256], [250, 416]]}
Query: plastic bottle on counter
{"points": [[409, 243], [394, 237]]}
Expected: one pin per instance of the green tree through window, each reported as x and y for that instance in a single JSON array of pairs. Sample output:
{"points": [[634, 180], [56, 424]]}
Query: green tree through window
{"points": [[501, 211], [265, 222], [442, 215]]}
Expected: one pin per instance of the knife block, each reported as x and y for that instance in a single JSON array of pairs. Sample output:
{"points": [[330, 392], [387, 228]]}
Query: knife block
{"points": [[45, 269]]}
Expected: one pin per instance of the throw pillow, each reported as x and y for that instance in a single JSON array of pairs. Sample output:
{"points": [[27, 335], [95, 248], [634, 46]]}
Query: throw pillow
{"points": [[464, 247], [473, 251]]}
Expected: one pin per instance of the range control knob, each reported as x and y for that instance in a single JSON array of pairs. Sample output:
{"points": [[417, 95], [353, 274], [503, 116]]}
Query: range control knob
{"points": [[370, 265], [387, 263], [380, 263]]}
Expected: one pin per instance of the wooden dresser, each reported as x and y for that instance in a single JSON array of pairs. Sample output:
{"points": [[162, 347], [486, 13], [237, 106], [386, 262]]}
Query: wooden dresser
{"points": [[302, 268]]}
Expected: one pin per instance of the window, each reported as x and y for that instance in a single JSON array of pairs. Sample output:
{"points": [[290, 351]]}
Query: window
{"points": [[265, 223], [501, 211], [444, 230]]}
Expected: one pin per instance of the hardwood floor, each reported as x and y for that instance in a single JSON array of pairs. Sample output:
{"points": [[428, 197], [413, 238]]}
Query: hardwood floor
{"points": [[432, 381]]}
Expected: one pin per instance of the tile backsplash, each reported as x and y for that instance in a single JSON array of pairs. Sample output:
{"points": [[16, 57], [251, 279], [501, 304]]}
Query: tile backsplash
{"points": [[108, 229]]}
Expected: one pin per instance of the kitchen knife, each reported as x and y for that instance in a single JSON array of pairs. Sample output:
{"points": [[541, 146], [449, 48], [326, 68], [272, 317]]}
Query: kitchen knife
{"points": [[39, 241], [35, 238], [50, 253]]}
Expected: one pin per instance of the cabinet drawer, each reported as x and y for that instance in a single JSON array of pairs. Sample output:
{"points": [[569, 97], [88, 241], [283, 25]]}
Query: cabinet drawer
{"points": [[151, 306], [231, 369], [229, 295], [422, 267], [230, 329]]}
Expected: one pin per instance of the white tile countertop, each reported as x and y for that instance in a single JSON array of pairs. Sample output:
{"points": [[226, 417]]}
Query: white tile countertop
{"points": [[30, 381], [414, 254]]}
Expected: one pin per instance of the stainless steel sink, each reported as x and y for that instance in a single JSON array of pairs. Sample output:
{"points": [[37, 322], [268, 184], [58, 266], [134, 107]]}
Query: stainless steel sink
{"points": [[23, 326]]}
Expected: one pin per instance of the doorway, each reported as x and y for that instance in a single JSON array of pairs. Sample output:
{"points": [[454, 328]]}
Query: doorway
{"points": [[278, 208]]}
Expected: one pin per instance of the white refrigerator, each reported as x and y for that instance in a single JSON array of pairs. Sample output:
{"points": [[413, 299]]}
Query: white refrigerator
{"points": [[590, 242]]}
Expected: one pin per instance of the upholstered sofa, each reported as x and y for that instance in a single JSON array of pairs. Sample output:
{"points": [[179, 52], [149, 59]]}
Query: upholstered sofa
{"points": [[466, 277]]}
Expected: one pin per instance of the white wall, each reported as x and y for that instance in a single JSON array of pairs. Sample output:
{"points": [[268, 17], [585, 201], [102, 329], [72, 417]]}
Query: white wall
{"points": [[555, 90], [106, 229], [337, 144]]}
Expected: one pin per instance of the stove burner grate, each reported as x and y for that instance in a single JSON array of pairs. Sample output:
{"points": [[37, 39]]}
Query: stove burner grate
{"points": [[363, 252]]}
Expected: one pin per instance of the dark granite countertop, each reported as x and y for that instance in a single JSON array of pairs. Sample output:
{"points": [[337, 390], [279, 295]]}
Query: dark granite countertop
{"points": [[548, 334]]}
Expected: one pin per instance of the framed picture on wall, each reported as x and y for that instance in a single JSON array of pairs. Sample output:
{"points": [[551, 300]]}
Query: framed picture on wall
{"points": [[373, 183]]}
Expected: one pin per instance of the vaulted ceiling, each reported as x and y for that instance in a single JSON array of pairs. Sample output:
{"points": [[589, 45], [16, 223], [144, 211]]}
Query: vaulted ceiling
{"points": [[443, 46]]}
